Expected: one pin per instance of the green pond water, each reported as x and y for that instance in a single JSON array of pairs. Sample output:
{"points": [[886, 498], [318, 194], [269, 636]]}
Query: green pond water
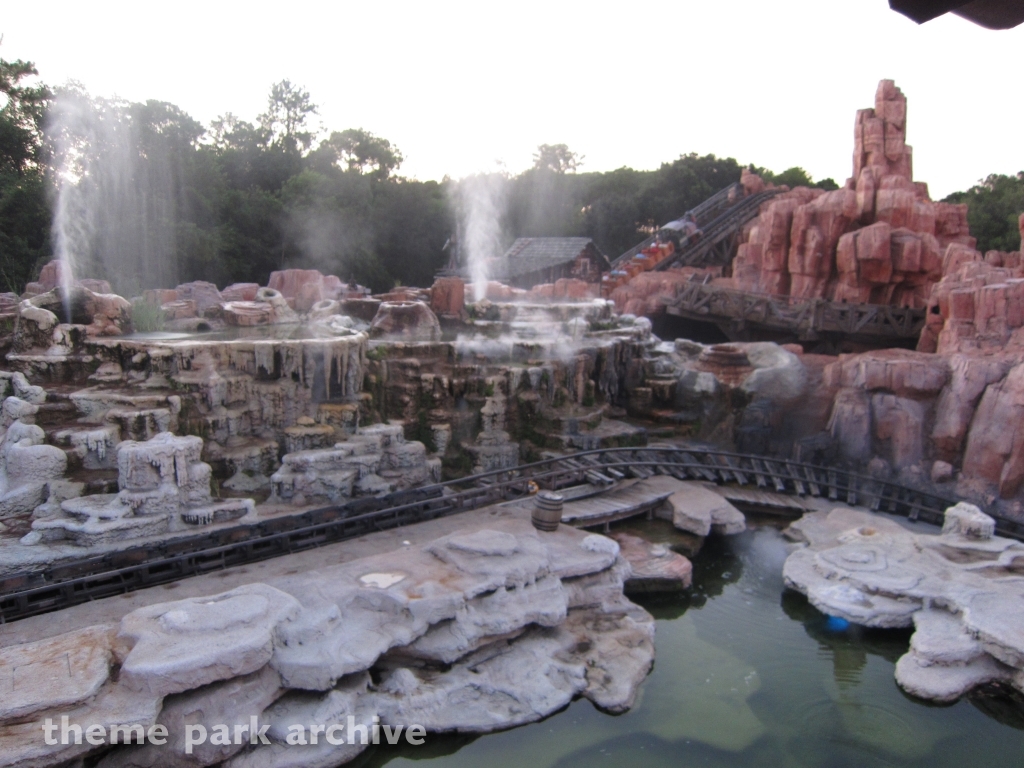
{"points": [[748, 674]]}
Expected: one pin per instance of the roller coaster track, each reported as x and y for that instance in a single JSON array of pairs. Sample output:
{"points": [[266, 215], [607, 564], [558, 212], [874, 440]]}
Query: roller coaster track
{"points": [[718, 238], [93, 578], [703, 214]]}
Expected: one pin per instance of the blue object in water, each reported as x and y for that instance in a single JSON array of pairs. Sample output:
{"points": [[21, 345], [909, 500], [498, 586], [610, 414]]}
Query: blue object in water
{"points": [[836, 624]]}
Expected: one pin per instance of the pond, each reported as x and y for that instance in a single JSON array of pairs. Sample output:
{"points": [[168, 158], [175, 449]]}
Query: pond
{"points": [[749, 674]]}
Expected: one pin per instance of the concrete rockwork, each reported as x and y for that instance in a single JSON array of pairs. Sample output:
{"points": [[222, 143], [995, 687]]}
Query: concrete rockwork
{"points": [[962, 591], [516, 621]]}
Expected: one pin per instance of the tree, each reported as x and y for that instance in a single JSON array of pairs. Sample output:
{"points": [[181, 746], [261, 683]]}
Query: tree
{"points": [[285, 122], [24, 217], [359, 151], [557, 158], [994, 206], [228, 131]]}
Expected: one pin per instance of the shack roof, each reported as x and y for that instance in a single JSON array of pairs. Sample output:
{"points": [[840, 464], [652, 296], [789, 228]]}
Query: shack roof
{"points": [[532, 254]]}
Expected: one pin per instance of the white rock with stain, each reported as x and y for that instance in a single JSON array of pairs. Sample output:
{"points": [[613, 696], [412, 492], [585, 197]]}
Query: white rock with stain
{"points": [[962, 591]]}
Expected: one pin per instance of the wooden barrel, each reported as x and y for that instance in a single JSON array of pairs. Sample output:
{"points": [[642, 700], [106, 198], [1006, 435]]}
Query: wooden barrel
{"points": [[547, 512]]}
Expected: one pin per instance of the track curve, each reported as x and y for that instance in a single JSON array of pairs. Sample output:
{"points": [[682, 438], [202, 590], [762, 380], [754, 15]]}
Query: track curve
{"points": [[93, 578]]}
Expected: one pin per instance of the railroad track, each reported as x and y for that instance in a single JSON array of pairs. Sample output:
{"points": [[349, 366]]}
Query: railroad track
{"points": [[717, 243], [97, 577], [702, 214]]}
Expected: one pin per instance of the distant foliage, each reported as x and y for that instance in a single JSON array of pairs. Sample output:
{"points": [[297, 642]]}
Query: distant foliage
{"points": [[24, 213], [557, 158], [618, 208], [994, 206], [238, 199], [795, 177]]}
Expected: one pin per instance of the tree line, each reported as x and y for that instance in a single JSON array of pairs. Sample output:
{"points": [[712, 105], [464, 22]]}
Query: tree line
{"points": [[239, 199]]}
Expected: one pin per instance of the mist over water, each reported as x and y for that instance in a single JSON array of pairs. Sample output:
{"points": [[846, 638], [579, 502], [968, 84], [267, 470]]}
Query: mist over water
{"points": [[115, 212], [482, 203]]}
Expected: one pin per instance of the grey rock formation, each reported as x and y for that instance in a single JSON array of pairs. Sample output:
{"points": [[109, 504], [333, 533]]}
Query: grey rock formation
{"points": [[961, 590], [377, 459], [698, 509], [515, 621], [27, 464], [164, 487]]}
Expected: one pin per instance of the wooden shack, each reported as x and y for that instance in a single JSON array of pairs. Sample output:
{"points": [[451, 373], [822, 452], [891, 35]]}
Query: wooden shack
{"points": [[535, 260]]}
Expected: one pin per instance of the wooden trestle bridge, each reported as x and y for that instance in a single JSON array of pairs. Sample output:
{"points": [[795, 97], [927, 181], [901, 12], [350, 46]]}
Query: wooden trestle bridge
{"points": [[92, 578], [738, 313], [742, 316]]}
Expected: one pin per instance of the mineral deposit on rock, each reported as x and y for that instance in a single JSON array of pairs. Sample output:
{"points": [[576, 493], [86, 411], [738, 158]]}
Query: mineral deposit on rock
{"points": [[961, 590], [516, 621]]}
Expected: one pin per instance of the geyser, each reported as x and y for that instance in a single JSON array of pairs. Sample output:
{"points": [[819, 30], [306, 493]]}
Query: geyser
{"points": [[118, 184], [481, 203]]}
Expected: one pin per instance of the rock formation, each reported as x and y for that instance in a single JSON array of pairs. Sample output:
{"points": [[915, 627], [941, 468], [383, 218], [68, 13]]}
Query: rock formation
{"points": [[946, 405], [978, 306], [164, 487], [375, 460], [645, 293], [405, 321], [879, 240], [27, 464], [517, 622], [653, 567], [960, 590]]}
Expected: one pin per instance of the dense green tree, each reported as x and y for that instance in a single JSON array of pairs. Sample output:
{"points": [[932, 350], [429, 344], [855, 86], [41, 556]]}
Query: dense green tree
{"points": [[557, 158], [24, 214], [994, 206], [286, 121], [360, 151]]}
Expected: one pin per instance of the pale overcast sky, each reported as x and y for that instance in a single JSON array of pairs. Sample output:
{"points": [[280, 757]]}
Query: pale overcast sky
{"points": [[461, 86]]}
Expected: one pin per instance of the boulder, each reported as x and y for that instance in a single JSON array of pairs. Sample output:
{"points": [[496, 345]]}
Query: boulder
{"points": [[699, 510], [995, 453], [240, 292], [405, 321], [102, 314], [189, 643], [248, 313], [179, 310], [204, 295], [654, 567], [942, 472], [301, 287], [448, 297], [752, 183], [967, 520]]}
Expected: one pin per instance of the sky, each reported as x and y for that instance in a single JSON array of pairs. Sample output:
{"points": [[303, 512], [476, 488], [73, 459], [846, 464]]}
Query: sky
{"points": [[468, 87]]}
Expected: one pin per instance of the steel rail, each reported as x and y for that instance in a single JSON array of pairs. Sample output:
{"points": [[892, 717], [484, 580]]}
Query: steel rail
{"points": [[700, 214], [75, 582], [727, 224]]}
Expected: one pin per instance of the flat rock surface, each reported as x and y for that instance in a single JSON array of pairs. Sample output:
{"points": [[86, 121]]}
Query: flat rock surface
{"points": [[112, 610], [55, 672], [479, 608], [655, 567], [963, 594], [621, 502], [700, 510]]}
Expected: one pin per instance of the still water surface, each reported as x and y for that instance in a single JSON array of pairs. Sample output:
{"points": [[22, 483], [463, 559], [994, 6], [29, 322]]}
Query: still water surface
{"points": [[747, 674]]}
